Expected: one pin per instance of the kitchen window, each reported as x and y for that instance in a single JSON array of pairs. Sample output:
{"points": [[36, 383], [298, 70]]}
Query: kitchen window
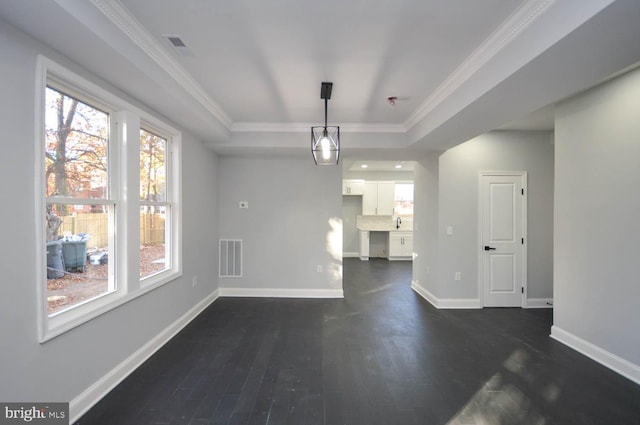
{"points": [[101, 224], [403, 200]]}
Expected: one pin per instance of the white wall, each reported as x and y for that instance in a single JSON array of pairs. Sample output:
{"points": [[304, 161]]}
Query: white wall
{"points": [[292, 225], [597, 289], [351, 208], [459, 170], [64, 367], [425, 224]]}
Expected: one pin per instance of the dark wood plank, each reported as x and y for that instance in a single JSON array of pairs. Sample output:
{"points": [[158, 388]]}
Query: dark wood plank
{"points": [[381, 356]]}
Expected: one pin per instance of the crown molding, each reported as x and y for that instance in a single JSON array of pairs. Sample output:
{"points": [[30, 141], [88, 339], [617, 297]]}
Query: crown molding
{"points": [[135, 31], [267, 127], [508, 31]]}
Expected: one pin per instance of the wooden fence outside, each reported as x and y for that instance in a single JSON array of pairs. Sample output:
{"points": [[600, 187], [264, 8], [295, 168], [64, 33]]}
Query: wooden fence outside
{"points": [[152, 228]]}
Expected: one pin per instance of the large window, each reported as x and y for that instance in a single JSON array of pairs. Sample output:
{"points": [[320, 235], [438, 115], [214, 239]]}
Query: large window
{"points": [[110, 208]]}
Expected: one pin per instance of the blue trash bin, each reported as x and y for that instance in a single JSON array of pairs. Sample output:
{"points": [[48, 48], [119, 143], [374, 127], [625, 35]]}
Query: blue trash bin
{"points": [[55, 260]]}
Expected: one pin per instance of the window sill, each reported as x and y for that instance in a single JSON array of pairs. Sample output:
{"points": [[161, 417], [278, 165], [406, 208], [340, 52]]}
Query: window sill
{"points": [[76, 316]]}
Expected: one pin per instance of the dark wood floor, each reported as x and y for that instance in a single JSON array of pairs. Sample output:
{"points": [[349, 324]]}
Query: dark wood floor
{"points": [[383, 355]]}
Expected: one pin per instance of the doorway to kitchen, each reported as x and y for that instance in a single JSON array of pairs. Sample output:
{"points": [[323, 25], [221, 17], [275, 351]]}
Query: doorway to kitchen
{"points": [[378, 210]]}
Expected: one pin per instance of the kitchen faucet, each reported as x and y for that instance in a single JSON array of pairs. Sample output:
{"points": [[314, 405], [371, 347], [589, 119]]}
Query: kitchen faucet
{"points": [[398, 222]]}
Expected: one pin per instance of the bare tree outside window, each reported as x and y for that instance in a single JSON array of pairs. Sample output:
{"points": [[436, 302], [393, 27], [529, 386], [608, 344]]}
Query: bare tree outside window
{"points": [[76, 148]]}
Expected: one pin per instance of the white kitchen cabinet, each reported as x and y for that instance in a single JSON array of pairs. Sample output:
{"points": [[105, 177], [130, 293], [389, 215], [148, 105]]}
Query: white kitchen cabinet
{"points": [[352, 187], [386, 191], [370, 198], [378, 198], [400, 245], [364, 245]]}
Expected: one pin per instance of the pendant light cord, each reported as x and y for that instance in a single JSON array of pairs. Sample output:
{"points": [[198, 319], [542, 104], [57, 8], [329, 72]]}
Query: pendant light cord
{"points": [[325, 132]]}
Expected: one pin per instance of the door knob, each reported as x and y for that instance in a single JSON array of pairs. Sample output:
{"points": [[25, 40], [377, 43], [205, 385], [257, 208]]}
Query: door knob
{"points": [[489, 248]]}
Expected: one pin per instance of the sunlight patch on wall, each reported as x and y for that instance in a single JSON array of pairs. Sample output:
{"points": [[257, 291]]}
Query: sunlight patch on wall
{"points": [[334, 248]]}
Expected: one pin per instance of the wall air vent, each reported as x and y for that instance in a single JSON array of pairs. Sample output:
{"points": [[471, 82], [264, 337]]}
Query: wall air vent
{"points": [[230, 253]]}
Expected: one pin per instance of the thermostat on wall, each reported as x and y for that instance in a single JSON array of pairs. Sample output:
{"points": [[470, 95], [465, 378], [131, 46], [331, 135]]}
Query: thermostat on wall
{"points": [[243, 204]]}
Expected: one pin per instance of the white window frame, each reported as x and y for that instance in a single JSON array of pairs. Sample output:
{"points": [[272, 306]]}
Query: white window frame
{"points": [[124, 175], [172, 235]]}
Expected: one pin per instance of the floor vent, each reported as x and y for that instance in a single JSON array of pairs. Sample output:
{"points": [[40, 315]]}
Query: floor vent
{"points": [[230, 258]]}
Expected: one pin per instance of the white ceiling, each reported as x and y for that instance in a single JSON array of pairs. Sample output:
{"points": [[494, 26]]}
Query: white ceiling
{"points": [[250, 81], [263, 61]]}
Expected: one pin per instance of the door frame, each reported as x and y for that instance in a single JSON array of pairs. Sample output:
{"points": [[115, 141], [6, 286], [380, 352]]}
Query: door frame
{"points": [[523, 177]]}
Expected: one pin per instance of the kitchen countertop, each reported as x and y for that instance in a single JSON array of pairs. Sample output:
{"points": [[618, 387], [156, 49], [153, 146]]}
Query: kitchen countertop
{"points": [[385, 229], [382, 223]]}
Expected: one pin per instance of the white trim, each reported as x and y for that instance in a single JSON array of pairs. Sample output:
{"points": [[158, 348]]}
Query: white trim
{"points": [[40, 201], [268, 127], [523, 180], [424, 293], [508, 31], [446, 303], [539, 303], [281, 293], [606, 358], [459, 303], [89, 397], [350, 254]]}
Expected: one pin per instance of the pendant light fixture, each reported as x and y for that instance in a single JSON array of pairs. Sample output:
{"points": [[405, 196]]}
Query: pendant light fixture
{"points": [[325, 141]]}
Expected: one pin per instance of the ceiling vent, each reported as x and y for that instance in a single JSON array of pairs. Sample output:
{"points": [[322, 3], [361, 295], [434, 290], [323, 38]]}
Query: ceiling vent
{"points": [[178, 44]]}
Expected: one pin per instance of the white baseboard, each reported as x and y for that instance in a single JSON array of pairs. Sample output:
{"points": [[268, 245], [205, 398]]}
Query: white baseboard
{"points": [[83, 402], [539, 302], [424, 293], [600, 355], [281, 293], [350, 254], [442, 303], [459, 303]]}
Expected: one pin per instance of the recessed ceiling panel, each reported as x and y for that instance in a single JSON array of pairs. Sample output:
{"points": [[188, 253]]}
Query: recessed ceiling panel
{"points": [[264, 61]]}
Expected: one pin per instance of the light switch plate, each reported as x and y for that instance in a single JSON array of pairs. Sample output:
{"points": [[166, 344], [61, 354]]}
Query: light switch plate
{"points": [[243, 204]]}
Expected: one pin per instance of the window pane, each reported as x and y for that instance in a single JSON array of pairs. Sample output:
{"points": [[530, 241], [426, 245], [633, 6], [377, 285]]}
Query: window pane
{"points": [[403, 199], [78, 251], [76, 149], [154, 252], [152, 167]]}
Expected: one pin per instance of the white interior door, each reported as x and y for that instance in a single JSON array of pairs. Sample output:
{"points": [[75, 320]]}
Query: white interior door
{"points": [[503, 239]]}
